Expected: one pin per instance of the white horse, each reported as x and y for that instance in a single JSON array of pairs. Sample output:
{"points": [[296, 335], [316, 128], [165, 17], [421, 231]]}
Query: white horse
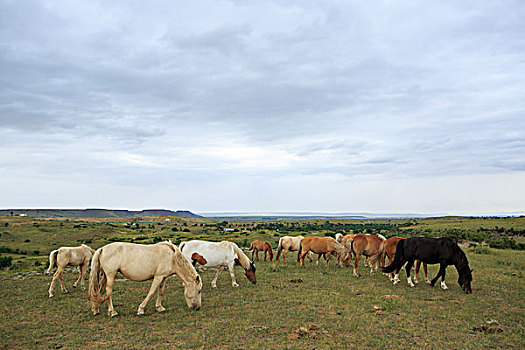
{"points": [[338, 237], [292, 244], [140, 262], [69, 256], [219, 254]]}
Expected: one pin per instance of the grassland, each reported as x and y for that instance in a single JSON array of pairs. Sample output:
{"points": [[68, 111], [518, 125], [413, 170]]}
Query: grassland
{"points": [[289, 307]]}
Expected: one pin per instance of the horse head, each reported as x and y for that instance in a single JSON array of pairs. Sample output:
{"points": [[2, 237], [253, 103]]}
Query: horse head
{"points": [[250, 273], [464, 280], [192, 292]]}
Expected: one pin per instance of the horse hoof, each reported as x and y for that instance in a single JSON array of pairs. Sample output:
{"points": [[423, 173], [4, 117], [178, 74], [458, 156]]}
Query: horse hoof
{"points": [[161, 309], [235, 285], [114, 315], [51, 295], [74, 286], [65, 291], [96, 313]]}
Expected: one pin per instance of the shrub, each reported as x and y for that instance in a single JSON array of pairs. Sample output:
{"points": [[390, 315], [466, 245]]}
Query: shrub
{"points": [[5, 261], [27, 241], [36, 252]]}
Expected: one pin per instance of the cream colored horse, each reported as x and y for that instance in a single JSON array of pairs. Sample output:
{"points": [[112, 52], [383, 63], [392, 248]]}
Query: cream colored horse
{"points": [[292, 244], [219, 254], [140, 262], [69, 256]]}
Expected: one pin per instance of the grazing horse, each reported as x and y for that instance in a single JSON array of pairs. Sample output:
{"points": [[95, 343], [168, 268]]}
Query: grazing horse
{"points": [[265, 247], [139, 262], [388, 249], [69, 256], [292, 244], [219, 254], [442, 251], [321, 245], [367, 245]]}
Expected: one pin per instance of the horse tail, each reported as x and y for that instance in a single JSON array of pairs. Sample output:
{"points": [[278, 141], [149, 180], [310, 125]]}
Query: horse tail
{"points": [[300, 250], [270, 251], [380, 254], [251, 247], [97, 281], [52, 259], [279, 249], [399, 259]]}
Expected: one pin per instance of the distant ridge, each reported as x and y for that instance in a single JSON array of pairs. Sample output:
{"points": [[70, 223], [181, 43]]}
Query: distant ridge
{"points": [[96, 213]]}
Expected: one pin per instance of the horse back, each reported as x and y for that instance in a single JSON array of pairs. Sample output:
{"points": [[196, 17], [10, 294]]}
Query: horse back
{"points": [[429, 250]]}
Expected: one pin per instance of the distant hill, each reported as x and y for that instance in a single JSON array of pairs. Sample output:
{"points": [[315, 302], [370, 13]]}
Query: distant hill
{"points": [[96, 213]]}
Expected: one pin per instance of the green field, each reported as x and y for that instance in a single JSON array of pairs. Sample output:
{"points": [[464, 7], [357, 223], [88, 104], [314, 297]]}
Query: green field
{"points": [[289, 307]]}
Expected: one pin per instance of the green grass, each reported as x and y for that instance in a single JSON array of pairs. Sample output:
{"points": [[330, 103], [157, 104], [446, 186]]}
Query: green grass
{"points": [[349, 312], [284, 299]]}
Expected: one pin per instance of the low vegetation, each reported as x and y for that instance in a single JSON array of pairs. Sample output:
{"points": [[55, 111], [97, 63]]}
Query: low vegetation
{"points": [[289, 307]]}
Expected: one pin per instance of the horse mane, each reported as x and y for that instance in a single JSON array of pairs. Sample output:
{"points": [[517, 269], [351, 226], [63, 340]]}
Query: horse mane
{"points": [[243, 259], [180, 259]]}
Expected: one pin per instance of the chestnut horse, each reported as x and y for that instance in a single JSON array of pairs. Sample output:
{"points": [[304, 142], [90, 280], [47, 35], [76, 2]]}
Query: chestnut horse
{"points": [[292, 244], [388, 249], [322, 245], [367, 245], [69, 256], [258, 246]]}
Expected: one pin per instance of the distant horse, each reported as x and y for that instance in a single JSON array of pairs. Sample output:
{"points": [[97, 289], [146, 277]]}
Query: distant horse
{"points": [[367, 245], [321, 245], [139, 262], [219, 254], [265, 247], [442, 251], [388, 249], [69, 256], [292, 244]]}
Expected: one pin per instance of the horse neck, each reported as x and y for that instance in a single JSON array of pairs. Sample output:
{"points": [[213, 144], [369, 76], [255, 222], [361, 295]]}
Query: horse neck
{"points": [[184, 268], [243, 259], [460, 261]]}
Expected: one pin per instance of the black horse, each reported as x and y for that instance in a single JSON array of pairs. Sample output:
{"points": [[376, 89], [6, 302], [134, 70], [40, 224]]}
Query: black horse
{"points": [[442, 251]]}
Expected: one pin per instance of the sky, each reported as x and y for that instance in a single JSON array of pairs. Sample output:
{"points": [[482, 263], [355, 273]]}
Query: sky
{"points": [[264, 106]]}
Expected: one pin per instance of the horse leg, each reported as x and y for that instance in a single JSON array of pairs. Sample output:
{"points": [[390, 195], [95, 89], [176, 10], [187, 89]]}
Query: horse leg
{"points": [[214, 281], [265, 252], [232, 274], [158, 304], [437, 276], [356, 266], [284, 255], [408, 267], [444, 268], [418, 266], [253, 252], [327, 257], [318, 258], [56, 275], [109, 293], [80, 276], [157, 281], [425, 268]]}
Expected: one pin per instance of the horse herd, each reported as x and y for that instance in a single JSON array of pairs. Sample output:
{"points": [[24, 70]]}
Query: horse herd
{"points": [[157, 262]]}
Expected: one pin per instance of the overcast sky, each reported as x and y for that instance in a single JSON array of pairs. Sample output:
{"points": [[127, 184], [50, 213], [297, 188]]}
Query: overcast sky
{"points": [[263, 106]]}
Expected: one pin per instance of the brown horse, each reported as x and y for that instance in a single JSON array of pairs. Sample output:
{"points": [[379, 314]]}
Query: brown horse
{"points": [[258, 246], [367, 245], [388, 249], [322, 245]]}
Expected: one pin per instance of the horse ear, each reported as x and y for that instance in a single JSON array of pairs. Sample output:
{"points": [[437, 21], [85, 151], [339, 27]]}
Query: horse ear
{"points": [[471, 270]]}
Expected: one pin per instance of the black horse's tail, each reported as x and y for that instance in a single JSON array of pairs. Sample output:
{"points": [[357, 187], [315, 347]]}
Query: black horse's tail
{"points": [[399, 259]]}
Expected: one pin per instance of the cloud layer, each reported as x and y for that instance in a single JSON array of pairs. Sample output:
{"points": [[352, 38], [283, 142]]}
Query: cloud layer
{"points": [[264, 106]]}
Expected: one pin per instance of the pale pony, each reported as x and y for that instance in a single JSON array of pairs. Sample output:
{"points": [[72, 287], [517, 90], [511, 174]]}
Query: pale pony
{"points": [[140, 262], [69, 256]]}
